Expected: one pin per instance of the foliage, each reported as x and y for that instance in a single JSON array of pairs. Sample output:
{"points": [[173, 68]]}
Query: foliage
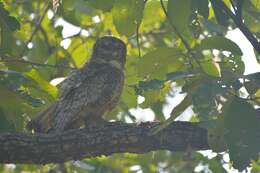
{"points": [[171, 43]]}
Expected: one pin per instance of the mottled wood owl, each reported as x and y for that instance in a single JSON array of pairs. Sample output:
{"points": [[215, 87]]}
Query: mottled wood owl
{"points": [[88, 93]]}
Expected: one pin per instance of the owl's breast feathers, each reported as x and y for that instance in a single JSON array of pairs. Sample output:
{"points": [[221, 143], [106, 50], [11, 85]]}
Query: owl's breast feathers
{"points": [[87, 93]]}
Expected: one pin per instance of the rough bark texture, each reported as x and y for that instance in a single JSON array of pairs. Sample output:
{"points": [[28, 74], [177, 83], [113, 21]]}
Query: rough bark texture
{"points": [[115, 137]]}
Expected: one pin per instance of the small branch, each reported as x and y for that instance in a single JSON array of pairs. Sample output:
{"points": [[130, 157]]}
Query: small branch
{"points": [[185, 43], [37, 27], [242, 27], [22, 61], [138, 40], [187, 46], [114, 137]]}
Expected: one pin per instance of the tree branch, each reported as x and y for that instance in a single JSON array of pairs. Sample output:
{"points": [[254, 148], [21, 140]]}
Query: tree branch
{"points": [[242, 27], [37, 27], [7, 59], [114, 137]]}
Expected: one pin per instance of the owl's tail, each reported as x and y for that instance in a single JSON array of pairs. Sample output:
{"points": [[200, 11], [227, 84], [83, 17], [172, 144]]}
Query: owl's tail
{"points": [[43, 122]]}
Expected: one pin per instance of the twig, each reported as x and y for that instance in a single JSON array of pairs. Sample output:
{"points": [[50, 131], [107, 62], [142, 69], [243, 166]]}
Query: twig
{"points": [[138, 40], [22, 61], [242, 27], [37, 27], [175, 29], [185, 43], [46, 39]]}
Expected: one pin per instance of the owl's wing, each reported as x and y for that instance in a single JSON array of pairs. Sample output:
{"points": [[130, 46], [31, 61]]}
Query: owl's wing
{"points": [[71, 82], [42, 121], [96, 94]]}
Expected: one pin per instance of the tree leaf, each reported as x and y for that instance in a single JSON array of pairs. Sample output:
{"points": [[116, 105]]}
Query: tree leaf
{"points": [[80, 54], [9, 21], [255, 77], [220, 43], [152, 8], [101, 4], [127, 15], [12, 107], [129, 97], [241, 122], [8, 24], [39, 52], [150, 85], [5, 125], [160, 62], [210, 68], [179, 12], [43, 84], [202, 7]]}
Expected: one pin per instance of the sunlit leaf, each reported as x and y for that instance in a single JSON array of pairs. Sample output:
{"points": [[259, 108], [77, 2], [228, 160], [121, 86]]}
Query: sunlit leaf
{"points": [[210, 68], [179, 12], [220, 43], [159, 61], [101, 4], [43, 84], [127, 15], [152, 8]]}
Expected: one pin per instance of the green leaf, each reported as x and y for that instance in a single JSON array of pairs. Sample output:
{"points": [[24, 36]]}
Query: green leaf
{"points": [[5, 125], [39, 52], [13, 107], [9, 21], [179, 12], [154, 96], [203, 99], [202, 6], [251, 87], [101, 4], [127, 15], [81, 54], [150, 85], [152, 8], [8, 24], [255, 77], [210, 68], [220, 43], [160, 62], [241, 123], [129, 97], [43, 84], [256, 3]]}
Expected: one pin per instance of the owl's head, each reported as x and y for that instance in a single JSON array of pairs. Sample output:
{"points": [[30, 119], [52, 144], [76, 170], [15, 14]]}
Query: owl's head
{"points": [[109, 49]]}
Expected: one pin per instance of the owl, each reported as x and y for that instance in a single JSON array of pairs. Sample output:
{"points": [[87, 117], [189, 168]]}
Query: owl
{"points": [[87, 93]]}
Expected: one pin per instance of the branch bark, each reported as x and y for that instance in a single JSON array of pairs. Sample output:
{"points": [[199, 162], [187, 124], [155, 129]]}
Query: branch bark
{"points": [[114, 137]]}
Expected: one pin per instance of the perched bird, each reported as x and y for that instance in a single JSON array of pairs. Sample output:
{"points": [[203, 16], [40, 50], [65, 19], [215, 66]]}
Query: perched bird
{"points": [[88, 93]]}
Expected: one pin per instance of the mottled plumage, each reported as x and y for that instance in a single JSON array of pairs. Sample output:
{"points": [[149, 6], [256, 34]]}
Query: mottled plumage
{"points": [[88, 93]]}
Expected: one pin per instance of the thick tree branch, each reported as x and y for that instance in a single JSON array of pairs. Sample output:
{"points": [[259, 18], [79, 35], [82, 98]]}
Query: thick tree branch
{"points": [[115, 137]]}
